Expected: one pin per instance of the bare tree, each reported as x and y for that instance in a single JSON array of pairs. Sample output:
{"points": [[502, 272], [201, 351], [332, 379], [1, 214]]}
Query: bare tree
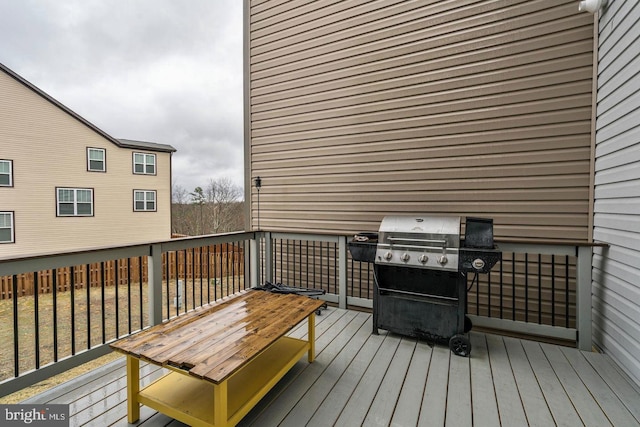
{"points": [[218, 208], [180, 212]]}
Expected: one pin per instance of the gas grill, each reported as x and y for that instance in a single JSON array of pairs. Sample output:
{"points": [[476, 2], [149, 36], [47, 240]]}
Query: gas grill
{"points": [[420, 271]]}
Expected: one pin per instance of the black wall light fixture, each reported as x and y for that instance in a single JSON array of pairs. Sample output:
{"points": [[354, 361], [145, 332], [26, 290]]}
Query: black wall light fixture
{"points": [[258, 183]]}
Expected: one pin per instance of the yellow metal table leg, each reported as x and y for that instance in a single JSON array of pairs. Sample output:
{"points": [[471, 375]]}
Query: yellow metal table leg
{"points": [[220, 404], [312, 337], [133, 388]]}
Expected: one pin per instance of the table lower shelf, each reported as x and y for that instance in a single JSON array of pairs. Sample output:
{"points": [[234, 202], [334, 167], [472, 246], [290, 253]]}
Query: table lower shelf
{"points": [[190, 400]]}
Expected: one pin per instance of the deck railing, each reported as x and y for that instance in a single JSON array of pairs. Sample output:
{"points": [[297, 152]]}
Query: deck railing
{"points": [[537, 289]]}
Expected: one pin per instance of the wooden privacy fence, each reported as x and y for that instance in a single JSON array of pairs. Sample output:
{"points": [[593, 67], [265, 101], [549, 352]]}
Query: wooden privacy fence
{"points": [[214, 261]]}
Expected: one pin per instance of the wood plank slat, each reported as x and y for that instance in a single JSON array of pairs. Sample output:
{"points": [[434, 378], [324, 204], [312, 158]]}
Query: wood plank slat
{"points": [[161, 349], [381, 410], [434, 400], [484, 403], [610, 404], [509, 403], [139, 339], [206, 329], [326, 331], [242, 327], [335, 402], [318, 392], [564, 414], [618, 382], [459, 405], [581, 398], [220, 331], [533, 400], [222, 364], [407, 411], [332, 342], [356, 408]]}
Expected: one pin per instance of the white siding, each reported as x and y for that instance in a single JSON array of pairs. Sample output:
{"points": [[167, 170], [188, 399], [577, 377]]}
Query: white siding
{"points": [[616, 270]]}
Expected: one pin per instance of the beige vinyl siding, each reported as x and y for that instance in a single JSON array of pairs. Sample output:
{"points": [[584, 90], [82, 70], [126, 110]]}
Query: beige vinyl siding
{"points": [[49, 149], [363, 109]]}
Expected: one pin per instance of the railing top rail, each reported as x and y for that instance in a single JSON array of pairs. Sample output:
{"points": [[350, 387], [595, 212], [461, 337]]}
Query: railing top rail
{"points": [[19, 265], [305, 236], [549, 242]]}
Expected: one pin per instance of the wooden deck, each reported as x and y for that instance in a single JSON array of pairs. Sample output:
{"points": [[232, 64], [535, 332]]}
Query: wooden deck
{"points": [[381, 380]]}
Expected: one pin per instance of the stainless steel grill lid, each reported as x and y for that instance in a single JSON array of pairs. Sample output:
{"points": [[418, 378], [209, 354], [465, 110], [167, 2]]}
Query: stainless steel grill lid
{"points": [[420, 241]]}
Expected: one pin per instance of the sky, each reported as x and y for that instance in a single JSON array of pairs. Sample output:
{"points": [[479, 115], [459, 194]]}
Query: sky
{"points": [[165, 71]]}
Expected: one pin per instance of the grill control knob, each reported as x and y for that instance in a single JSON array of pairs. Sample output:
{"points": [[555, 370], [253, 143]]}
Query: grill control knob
{"points": [[442, 260], [405, 257], [478, 264], [388, 255], [423, 258]]}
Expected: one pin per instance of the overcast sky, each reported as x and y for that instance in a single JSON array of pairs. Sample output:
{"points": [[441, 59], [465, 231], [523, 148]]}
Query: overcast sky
{"points": [[166, 71]]}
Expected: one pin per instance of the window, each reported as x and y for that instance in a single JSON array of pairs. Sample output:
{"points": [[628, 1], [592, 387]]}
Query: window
{"points": [[144, 164], [6, 227], [75, 201], [144, 201], [96, 159], [6, 173]]}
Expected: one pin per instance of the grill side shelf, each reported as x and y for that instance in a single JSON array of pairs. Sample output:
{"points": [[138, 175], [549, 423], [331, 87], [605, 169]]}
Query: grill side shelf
{"points": [[362, 251]]}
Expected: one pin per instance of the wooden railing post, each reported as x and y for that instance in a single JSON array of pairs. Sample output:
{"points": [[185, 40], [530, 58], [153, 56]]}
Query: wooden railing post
{"points": [[154, 273], [254, 255], [584, 297], [268, 257], [342, 272]]}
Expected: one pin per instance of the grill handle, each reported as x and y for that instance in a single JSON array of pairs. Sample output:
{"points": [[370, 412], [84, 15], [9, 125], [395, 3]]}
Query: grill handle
{"points": [[393, 240], [417, 294]]}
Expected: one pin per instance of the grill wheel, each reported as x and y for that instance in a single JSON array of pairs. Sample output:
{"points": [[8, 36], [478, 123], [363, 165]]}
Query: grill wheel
{"points": [[460, 345]]}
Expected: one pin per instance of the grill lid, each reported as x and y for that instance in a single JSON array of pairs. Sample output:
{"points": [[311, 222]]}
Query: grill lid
{"points": [[420, 241]]}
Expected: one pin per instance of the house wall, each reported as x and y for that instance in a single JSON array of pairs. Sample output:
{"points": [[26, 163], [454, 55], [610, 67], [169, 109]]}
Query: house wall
{"points": [[616, 270], [48, 149], [360, 109]]}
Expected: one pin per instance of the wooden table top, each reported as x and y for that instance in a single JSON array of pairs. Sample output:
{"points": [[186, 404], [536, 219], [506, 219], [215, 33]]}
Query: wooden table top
{"points": [[214, 341]]}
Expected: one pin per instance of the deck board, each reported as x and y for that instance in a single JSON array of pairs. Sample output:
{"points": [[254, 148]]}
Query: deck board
{"points": [[613, 408], [364, 379], [413, 387], [356, 408], [434, 401], [323, 386], [564, 414], [535, 406], [580, 397], [484, 403], [334, 403], [509, 404], [384, 402], [459, 393]]}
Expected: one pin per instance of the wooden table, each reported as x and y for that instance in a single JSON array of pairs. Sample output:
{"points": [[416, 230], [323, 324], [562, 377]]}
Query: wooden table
{"points": [[223, 357]]}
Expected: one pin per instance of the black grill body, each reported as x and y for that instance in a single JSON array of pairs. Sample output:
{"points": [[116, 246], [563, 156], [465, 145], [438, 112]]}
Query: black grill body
{"points": [[416, 293], [421, 303]]}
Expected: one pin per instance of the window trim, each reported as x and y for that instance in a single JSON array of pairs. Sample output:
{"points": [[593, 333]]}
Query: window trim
{"points": [[75, 202], [10, 162], [155, 201], [144, 164], [12, 228], [104, 159]]}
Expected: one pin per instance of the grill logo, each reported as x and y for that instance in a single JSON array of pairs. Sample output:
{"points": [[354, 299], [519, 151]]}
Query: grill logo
{"points": [[34, 415]]}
